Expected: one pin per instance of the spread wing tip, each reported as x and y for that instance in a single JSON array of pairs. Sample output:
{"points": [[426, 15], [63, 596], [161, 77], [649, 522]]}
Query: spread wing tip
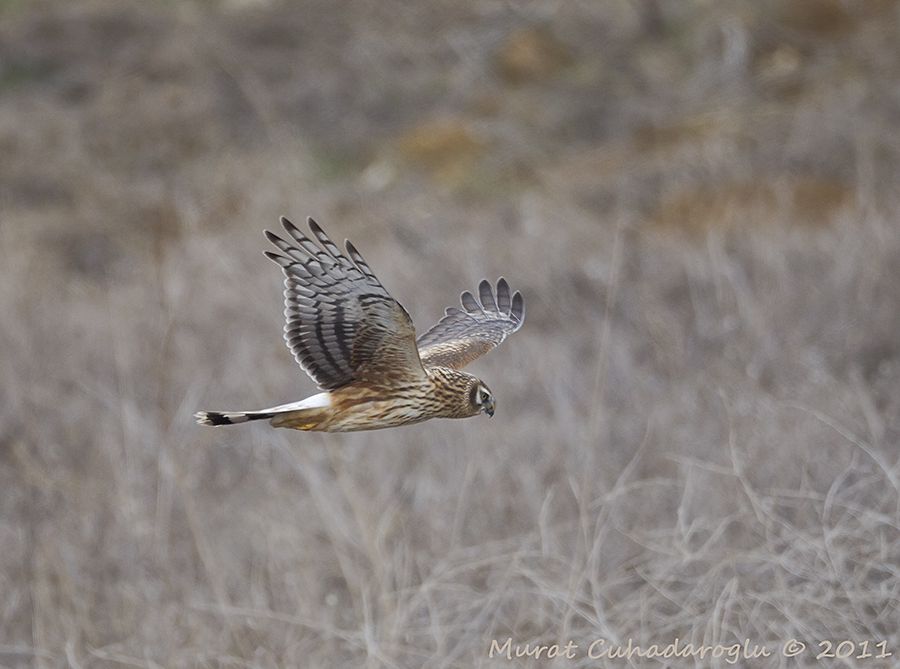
{"points": [[502, 301]]}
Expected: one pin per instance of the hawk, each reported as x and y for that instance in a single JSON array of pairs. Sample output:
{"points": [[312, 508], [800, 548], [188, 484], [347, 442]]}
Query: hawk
{"points": [[360, 347]]}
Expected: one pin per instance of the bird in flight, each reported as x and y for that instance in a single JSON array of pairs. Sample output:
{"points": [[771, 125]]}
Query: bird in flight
{"points": [[359, 344]]}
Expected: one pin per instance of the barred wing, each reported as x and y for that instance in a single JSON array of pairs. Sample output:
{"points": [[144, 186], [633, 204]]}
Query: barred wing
{"points": [[342, 325], [465, 334]]}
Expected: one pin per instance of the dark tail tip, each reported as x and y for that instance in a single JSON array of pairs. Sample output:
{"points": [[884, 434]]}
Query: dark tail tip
{"points": [[212, 418], [229, 417]]}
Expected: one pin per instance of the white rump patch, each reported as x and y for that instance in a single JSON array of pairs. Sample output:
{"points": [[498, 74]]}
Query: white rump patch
{"points": [[319, 401]]}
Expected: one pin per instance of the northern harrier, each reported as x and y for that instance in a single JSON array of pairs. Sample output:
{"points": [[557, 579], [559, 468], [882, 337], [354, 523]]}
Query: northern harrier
{"points": [[359, 344]]}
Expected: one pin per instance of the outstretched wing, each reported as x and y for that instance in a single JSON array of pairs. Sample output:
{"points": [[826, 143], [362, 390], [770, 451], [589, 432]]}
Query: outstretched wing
{"points": [[342, 325], [464, 334]]}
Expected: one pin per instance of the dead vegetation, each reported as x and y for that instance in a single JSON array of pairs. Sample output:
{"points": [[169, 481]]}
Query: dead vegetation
{"points": [[697, 430]]}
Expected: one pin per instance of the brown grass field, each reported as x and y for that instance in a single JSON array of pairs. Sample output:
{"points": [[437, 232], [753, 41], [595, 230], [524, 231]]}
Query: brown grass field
{"points": [[698, 428]]}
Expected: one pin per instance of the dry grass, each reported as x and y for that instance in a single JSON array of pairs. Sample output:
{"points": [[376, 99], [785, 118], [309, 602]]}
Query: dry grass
{"points": [[697, 432]]}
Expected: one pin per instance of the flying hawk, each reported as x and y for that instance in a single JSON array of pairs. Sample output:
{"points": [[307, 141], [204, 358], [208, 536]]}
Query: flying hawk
{"points": [[359, 344]]}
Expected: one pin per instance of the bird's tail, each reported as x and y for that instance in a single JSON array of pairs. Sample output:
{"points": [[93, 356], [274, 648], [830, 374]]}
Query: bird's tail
{"points": [[229, 417], [309, 413]]}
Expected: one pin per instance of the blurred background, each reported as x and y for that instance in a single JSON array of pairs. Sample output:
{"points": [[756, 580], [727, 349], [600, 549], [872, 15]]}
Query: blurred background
{"points": [[697, 429]]}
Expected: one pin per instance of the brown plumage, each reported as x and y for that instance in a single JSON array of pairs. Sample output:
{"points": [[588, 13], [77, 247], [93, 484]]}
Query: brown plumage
{"points": [[359, 344]]}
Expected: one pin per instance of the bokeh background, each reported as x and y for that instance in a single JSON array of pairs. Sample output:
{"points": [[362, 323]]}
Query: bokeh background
{"points": [[697, 429]]}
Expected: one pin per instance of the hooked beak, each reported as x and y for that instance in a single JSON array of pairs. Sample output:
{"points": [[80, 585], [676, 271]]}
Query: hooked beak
{"points": [[489, 409]]}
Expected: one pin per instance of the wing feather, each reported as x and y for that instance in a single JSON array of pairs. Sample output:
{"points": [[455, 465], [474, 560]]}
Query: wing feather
{"points": [[341, 323], [469, 302], [482, 324], [486, 293], [360, 263]]}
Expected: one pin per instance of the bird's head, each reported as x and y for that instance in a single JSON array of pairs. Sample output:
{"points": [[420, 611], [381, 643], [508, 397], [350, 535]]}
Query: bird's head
{"points": [[482, 398]]}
